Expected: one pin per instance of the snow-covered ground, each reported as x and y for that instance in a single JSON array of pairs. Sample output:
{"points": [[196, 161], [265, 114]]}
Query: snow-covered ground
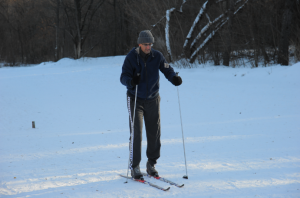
{"points": [[241, 128]]}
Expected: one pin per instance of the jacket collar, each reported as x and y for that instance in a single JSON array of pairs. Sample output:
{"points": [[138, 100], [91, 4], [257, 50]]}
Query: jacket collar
{"points": [[137, 50]]}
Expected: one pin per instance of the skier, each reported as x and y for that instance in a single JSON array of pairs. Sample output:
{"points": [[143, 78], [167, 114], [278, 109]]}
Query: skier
{"points": [[141, 69]]}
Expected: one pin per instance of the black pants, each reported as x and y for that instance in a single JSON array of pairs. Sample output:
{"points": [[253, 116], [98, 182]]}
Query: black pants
{"points": [[150, 111]]}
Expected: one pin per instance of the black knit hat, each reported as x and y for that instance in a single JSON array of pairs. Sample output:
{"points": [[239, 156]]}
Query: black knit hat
{"points": [[145, 36]]}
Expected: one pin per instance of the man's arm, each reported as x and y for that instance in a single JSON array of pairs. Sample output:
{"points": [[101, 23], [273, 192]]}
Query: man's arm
{"points": [[127, 73], [166, 69], [169, 73]]}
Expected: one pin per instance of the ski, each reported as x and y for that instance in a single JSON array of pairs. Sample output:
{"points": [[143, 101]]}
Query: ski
{"points": [[146, 182], [164, 180]]}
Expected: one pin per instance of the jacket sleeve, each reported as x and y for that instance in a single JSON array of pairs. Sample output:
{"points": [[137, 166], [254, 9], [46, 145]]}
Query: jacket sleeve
{"points": [[166, 69], [127, 73]]}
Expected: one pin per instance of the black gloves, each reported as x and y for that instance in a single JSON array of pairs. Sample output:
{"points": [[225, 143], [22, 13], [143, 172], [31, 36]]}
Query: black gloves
{"points": [[177, 80], [136, 80]]}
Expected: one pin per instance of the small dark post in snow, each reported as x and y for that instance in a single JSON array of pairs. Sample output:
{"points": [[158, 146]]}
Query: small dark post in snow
{"points": [[33, 124]]}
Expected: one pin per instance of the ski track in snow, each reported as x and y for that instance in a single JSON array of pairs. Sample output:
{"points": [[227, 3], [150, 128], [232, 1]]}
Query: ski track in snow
{"points": [[36, 184], [112, 146], [241, 130]]}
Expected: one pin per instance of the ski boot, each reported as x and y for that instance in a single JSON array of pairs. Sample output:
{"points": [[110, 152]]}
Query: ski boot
{"points": [[136, 173], [151, 170]]}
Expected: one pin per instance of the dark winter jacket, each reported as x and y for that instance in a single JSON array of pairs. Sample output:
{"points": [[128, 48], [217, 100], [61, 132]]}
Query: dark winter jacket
{"points": [[149, 71]]}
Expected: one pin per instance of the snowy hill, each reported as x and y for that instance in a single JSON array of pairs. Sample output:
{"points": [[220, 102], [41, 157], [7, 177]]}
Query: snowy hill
{"points": [[241, 128]]}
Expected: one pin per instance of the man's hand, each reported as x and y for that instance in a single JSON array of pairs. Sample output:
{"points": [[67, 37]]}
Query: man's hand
{"points": [[177, 80], [136, 80]]}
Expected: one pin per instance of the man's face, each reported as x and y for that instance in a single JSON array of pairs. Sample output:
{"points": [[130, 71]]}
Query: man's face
{"points": [[146, 47]]}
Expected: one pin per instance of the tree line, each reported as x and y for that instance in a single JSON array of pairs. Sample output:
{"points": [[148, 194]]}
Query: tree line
{"points": [[227, 32]]}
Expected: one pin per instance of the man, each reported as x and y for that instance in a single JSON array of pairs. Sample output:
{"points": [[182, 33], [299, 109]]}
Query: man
{"points": [[147, 62]]}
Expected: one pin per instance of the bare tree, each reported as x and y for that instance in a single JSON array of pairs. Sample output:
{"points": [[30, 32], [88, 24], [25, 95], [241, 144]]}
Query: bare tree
{"points": [[79, 14], [57, 30], [296, 32], [219, 22], [227, 37], [224, 31], [283, 56]]}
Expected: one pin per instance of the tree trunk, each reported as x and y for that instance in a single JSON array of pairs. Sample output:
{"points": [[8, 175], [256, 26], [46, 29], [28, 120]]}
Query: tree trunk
{"points": [[115, 28], [226, 54], [123, 30], [78, 26], [77, 48], [21, 42], [283, 56], [215, 53], [57, 29], [253, 27], [167, 35]]}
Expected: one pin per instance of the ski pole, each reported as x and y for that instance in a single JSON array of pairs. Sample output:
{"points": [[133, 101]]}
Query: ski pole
{"points": [[138, 74], [185, 176]]}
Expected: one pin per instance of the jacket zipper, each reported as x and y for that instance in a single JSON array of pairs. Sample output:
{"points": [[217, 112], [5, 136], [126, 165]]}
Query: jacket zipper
{"points": [[146, 81]]}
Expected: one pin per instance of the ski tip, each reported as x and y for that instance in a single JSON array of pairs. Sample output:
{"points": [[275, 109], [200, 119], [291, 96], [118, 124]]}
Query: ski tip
{"points": [[181, 186], [185, 177], [167, 189]]}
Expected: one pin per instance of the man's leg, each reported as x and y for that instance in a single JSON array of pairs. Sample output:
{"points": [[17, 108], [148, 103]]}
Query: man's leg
{"points": [[152, 123], [135, 132]]}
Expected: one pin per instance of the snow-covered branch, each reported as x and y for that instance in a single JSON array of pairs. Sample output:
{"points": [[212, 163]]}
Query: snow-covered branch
{"points": [[240, 6], [157, 22], [194, 24], [238, 1], [214, 31], [183, 1], [208, 18], [168, 12], [204, 29], [208, 38]]}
